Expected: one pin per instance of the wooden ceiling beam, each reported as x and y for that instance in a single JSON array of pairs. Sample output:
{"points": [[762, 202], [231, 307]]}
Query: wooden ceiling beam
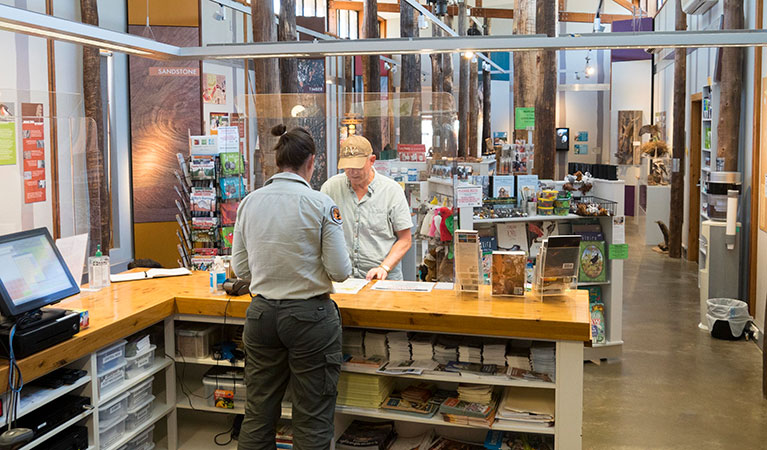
{"points": [[629, 6], [490, 13]]}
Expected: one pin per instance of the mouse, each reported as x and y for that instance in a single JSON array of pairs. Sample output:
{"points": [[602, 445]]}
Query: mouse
{"points": [[15, 436]]}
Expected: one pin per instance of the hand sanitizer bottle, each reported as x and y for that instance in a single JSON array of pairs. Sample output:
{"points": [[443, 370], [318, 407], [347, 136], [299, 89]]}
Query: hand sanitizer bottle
{"points": [[217, 277], [98, 270]]}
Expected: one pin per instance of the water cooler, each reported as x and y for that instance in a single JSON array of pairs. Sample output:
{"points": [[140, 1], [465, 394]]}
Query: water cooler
{"points": [[719, 267]]}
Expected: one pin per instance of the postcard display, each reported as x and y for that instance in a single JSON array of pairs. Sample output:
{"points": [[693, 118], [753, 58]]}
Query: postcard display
{"points": [[213, 177]]}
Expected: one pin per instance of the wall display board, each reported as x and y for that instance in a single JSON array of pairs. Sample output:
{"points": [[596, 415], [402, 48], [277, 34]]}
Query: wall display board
{"points": [[629, 123], [7, 135], [33, 147], [165, 110]]}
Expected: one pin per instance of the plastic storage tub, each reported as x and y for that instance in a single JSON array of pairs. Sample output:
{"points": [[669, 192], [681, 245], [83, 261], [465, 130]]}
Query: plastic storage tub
{"points": [[114, 409], [224, 388], [144, 441], [110, 357], [109, 433], [140, 363], [140, 393], [140, 414], [193, 340], [109, 380]]}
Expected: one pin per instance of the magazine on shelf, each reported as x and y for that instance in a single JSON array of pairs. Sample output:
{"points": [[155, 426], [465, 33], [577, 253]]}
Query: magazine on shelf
{"points": [[515, 373]]}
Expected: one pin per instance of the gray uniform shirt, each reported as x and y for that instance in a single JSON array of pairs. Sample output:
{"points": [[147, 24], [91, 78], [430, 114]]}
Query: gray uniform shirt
{"points": [[288, 240], [370, 224]]}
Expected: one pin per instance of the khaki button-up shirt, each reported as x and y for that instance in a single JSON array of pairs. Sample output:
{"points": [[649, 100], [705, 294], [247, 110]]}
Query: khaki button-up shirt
{"points": [[370, 224], [289, 241]]}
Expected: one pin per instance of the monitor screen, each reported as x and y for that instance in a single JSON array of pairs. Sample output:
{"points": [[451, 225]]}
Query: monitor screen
{"points": [[32, 272], [563, 139]]}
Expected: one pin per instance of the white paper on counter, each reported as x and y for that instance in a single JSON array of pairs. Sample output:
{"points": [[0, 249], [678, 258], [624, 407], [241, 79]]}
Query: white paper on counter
{"points": [[403, 286], [73, 250], [350, 286]]}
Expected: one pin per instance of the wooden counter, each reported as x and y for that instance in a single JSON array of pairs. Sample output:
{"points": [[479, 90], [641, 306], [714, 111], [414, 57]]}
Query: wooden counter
{"points": [[125, 308]]}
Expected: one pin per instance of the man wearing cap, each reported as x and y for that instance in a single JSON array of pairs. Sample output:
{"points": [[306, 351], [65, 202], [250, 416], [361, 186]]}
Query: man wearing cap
{"points": [[376, 215]]}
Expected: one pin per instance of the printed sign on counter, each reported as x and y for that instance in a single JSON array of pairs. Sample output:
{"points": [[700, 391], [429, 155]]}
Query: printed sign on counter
{"points": [[468, 196]]}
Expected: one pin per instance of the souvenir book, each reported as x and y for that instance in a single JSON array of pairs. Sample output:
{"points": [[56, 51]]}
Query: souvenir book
{"points": [[231, 163], [508, 273], [232, 188], [592, 262]]}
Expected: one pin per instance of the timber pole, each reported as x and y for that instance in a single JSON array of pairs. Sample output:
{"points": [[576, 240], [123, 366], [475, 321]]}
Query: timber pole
{"points": [[463, 88], [486, 83], [410, 78], [546, 100], [371, 78], [676, 218], [728, 128], [98, 201], [267, 80]]}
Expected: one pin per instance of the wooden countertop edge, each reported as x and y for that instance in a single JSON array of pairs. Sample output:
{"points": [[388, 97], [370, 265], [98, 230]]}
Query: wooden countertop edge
{"points": [[98, 336], [413, 321], [87, 342]]}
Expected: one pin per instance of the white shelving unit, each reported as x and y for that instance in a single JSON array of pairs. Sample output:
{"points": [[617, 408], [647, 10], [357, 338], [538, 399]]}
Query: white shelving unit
{"points": [[568, 387], [164, 389], [612, 289]]}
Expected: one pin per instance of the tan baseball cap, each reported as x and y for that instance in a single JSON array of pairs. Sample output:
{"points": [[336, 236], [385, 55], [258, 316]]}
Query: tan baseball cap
{"points": [[354, 152]]}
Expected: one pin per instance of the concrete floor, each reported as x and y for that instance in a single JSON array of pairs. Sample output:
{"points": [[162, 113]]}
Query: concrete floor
{"points": [[675, 386]]}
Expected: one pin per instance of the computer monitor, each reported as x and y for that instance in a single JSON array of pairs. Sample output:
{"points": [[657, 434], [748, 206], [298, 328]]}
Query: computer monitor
{"points": [[32, 272], [563, 139]]}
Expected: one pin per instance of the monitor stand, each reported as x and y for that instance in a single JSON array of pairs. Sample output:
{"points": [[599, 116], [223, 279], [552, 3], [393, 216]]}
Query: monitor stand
{"points": [[38, 330]]}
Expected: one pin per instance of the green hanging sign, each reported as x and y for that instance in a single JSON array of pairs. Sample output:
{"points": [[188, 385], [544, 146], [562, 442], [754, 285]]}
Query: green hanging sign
{"points": [[524, 118]]}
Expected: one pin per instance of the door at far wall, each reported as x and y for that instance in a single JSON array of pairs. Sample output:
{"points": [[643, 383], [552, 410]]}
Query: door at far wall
{"points": [[693, 235]]}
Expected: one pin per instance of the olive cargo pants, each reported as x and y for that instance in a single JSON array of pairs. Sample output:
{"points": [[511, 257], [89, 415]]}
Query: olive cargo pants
{"points": [[296, 341]]}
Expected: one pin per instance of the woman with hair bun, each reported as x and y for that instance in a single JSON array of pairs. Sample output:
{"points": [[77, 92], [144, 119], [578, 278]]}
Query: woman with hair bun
{"points": [[289, 243]]}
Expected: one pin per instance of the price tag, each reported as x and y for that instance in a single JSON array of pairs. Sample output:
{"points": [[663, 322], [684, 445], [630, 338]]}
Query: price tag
{"points": [[468, 196]]}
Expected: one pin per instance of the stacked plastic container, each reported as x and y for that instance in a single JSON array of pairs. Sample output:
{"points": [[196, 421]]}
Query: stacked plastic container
{"points": [[110, 366], [144, 441]]}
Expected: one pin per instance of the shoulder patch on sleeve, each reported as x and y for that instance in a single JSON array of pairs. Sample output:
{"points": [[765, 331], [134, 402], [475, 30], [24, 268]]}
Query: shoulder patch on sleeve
{"points": [[335, 215]]}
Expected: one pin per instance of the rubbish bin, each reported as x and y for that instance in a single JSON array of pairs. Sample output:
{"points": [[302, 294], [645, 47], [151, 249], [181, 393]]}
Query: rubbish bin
{"points": [[727, 318]]}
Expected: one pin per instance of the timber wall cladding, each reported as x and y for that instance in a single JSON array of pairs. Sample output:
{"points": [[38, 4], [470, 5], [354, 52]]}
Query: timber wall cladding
{"points": [[762, 190], [165, 107]]}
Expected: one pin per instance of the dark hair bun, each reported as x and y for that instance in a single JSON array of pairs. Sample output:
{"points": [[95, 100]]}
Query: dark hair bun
{"points": [[279, 130]]}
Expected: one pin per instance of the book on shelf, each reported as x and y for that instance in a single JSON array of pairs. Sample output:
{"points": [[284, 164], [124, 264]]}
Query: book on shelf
{"points": [[407, 367], [512, 440], [361, 435], [443, 443], [515, 373], [418, 409], [530, 405], [592, 262], [422, 442], [471, 368], [371, 364], [363, 390], [457, 407]]}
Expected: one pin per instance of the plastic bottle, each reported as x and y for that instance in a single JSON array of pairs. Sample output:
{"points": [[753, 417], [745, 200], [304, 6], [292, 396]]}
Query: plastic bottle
{"points": [[98, 270], [217, 276]]}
